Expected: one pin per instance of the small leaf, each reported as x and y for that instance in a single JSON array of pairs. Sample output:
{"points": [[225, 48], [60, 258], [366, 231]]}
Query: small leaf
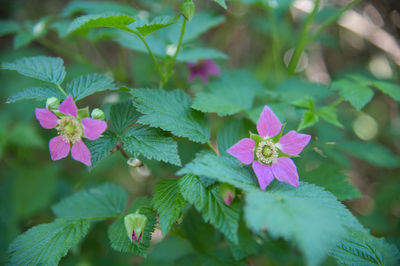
{"points": [[86, 85], [46, 244], [168, 202], [152, 143], [329, 114], [171, 111], [123, 115], [295, 89], [309, 119], [354, 90], [145, 28], [45, 68], [221, 3], [391, 89], [306, 103], [104, 201], [101, 147], [37, 93], [112, 20]]}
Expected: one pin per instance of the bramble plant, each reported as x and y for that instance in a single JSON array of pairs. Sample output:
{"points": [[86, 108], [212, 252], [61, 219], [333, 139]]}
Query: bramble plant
{"points": [[249, 189]]}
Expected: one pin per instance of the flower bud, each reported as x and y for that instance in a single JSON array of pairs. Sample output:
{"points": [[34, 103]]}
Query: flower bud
{"points": [[52, 103], [98, 114], [187, 9], [227, 193], [134, 162], [134, 225]]}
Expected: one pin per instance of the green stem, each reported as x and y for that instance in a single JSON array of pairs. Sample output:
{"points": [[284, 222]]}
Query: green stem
{"points": [[303, 40], [337, 102], [62, 90], [212, 148], [171, 66]]}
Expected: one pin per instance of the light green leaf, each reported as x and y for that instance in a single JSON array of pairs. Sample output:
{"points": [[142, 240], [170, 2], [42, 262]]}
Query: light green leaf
{"points": [[224, 169], [112, 20], [231, 132], [145, 28], [170, 110], [119, 239], [152, 143], [86, 85], [8, 27], [46, 244], [370, 152], [360, 248], [333, 180], [102, 202], [101, 147], [329, 114], [37, 93], [232, 93], [354, 91], [45, 68], [195, 54], [389, 88], [309, 119], [98, 7], [221, 3], [168, 202], [307, 215], [306, 103], [210, 204]]}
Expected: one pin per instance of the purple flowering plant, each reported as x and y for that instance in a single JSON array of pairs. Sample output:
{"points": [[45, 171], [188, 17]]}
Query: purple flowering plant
{"points": [[183, 159]]}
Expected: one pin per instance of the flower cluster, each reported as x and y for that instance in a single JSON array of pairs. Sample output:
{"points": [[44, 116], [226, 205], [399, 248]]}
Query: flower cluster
{"points": [[203, 69], [71, 128], [269, 153]]}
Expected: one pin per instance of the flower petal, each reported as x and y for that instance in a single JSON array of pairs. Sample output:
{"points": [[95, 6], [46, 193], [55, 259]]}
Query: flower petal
{"points": [[264, 174], [268, 125], [293, 143], [211, 67], [68, 107], [46, 118], [285, 170], [59, 148], [81, 153], [243, 150], [92, 128]]}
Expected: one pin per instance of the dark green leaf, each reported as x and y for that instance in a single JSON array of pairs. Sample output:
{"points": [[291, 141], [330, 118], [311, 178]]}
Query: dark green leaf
{"points": [[101, 147], [112, 20], [231, 132], [97, 7], [389, 88], [145, 28], [354, 91], [37, 93], [86, 85], [123, 115]]}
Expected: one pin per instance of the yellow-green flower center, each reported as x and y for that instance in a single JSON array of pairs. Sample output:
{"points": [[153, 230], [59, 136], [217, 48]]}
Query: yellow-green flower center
{"points": [[70, 128], [266, 152]]}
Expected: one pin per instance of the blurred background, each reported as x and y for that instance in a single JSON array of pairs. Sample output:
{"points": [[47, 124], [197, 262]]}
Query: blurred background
{"points": [[365, 40]]}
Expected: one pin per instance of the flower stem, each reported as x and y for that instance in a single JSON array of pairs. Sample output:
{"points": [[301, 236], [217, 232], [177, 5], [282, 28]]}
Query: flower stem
{"points": [[212, 148], [62, 90], [303, 40]]}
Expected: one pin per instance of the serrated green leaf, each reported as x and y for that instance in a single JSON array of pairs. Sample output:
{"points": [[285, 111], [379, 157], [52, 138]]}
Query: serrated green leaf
{"points": [[101, 147], [86, 85], [232, 93], [329, 114], [231, 132], [360, 248], [309, 119], [37, 93], [306, 103], [96, 8], [224, 169], [295, 89], [221, 3], [307, 215], [333, 180], [119, 239], [370, 152], [247, 244], [145, 28], [389, 88], [354, 91], [45, 68], [8, 27], [195, 54], [170, 110], [210, 204], [168, 202], [46, 244], [123, 115], [112, 20], [152, 143], [102, 202]]}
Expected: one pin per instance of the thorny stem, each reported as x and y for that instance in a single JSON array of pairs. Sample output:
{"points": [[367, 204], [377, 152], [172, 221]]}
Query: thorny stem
{"points": [[212, 148]]}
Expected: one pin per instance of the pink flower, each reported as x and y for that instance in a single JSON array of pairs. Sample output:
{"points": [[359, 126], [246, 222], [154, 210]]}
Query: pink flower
{"points": [[203, 69], [269, 155], [70, 130]]}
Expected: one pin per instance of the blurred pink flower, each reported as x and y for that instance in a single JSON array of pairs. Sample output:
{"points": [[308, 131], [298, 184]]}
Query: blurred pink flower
{"points": [[70, 129], [203, 69], [268, 155]]}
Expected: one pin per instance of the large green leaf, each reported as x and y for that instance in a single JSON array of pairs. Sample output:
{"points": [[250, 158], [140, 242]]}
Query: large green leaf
{"points": [[168, 202], [117, 233], [123, 115], [101, 147], [152, 143], [46, 244], [145, 28], [112, 20], [100, 202], [86, 85], [97, 7], [170, 110], [224, 169], [210, 204], [45, 68], [37, 93], [232, 93], [231, 132], [309, 216], [355, 91]]}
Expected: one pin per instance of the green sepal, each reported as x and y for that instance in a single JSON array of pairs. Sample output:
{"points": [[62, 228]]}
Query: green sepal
{"points": [[83, 113], [278, 137], [255, 137], [281, 154]]}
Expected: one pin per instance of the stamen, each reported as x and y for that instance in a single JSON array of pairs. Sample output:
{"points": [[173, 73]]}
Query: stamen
{"points": [[266, 152], [70, 128]]}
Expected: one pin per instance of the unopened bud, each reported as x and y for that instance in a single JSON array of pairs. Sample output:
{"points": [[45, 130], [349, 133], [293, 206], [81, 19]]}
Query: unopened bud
{"points": [[134, 162], [98, 114], [52, 103], [187, 9], [227, 193], [135, 224]]}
